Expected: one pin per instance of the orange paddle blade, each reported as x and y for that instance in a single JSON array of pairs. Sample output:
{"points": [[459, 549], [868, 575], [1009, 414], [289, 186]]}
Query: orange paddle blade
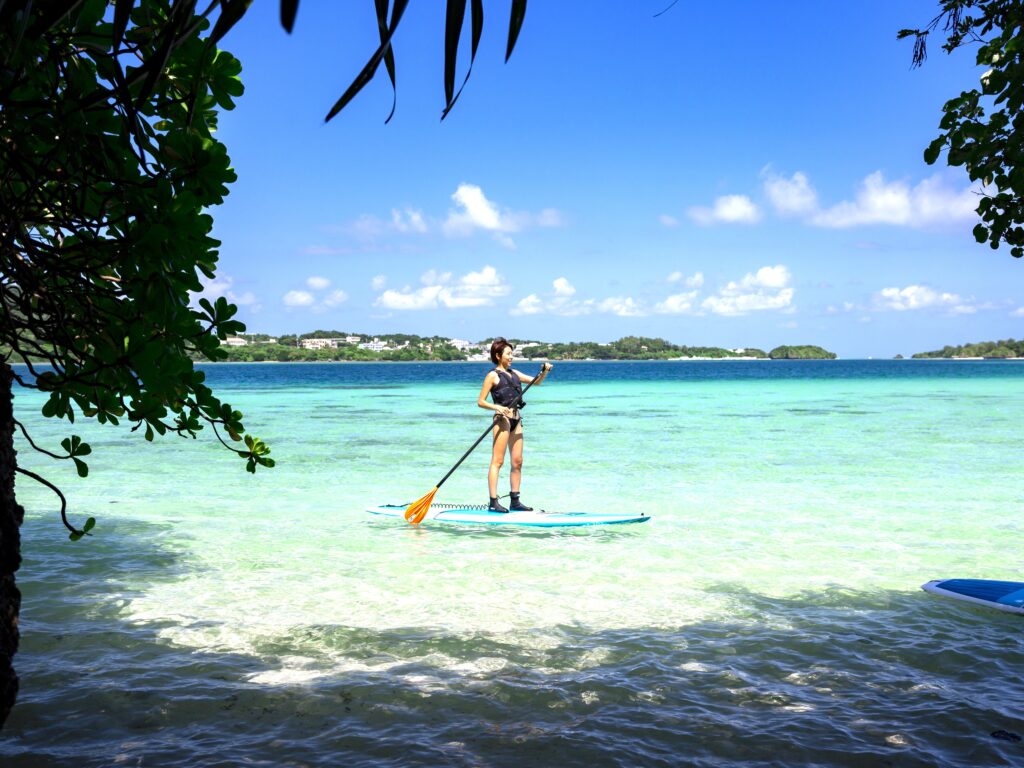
{"points": [[418, 509]]}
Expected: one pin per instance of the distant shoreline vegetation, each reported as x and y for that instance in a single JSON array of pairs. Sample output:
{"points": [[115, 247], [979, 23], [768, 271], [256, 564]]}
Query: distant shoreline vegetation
{"points": [[998, 350], [336, 346]]}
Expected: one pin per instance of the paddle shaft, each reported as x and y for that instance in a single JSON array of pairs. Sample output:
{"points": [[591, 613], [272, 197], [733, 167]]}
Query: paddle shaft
{"points": [[482, 436]]}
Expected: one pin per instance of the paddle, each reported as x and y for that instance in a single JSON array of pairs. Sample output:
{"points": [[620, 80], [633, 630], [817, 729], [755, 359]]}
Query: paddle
{"points": [[419, 508]]}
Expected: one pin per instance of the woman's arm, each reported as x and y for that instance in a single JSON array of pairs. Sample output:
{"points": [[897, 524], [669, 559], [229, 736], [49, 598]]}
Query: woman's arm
{"points": [[538, 379], [489, 381]]}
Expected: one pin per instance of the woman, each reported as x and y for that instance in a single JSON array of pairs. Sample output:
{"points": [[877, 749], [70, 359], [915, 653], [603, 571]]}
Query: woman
{"points": [[505, 386]]}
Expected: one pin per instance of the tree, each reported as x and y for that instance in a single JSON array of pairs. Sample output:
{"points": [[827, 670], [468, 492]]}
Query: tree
{"points": [[988, 146], [108, 163]]}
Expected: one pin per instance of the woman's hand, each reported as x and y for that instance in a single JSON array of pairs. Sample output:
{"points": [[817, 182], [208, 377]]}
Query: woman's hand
{"points": [[508, 413]]}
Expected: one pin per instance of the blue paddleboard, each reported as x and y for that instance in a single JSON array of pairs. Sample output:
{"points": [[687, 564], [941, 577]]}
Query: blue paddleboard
{"points": [[1002, 595], [471, 515]]}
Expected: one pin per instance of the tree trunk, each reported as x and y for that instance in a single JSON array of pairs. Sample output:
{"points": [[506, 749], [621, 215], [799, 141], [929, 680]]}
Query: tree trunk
{"points": [[11, 516]]}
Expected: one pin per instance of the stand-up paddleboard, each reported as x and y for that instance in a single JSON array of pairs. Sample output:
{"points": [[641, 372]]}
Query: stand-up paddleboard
{"points": [[468, 514], [1002, 595]]}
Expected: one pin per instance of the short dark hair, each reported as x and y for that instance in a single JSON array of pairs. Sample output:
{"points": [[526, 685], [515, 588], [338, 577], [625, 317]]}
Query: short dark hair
{"points": [[497, 347]]}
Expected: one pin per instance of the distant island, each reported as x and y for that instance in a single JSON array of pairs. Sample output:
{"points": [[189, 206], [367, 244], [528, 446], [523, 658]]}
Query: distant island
{"points": [[999, 350], [332, 346]]}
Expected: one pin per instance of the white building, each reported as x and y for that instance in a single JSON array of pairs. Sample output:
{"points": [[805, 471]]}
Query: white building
{"points": [[319, 343], [353, 339], [375, 346], [460, 344], [235, 341]]}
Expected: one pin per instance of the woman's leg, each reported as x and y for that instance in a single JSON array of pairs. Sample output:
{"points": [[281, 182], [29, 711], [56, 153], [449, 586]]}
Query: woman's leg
{"points": [[500, 437], [515, 450]]}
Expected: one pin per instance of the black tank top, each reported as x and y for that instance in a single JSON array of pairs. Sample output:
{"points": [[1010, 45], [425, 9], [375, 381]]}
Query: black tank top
{"points": [[508, 391]]}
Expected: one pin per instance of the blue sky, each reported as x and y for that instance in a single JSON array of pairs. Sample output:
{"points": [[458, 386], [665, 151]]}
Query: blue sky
{"points": [[733, 174]]}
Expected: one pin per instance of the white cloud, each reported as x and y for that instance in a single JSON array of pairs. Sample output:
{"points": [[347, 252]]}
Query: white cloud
{"points": [[530, 305], [729, 209], [317, 283], [917, 297], [677, 304], [1019, 312], [474, 289], [791, 197], [334, 298], [408, 220], [563, 287], [378, 282], [668, 221], [623, 306], [766, 289], [299, 299], [407, 299], [312, 299], [561, 301], [696, 280], [475, 212], [878, 201]]}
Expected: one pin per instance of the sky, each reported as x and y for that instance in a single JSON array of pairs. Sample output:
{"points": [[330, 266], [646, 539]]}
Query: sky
{"points": [[736, 174]]}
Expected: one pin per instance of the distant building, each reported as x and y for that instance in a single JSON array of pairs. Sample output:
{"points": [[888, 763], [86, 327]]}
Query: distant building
{"points": [[319, 343], [235, 341], [460, 344], [353, 339], [375, 346]]}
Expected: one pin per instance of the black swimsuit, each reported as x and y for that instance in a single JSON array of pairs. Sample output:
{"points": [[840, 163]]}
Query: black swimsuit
{"points": [[508, 393]]}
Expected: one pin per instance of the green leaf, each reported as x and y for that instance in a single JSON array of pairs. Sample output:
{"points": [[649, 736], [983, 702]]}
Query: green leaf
{"points": [[368, 71], [288, 10], [89, 525], [980, 233], [454, 17], [514, 25], [82, 467], [931, 154], [75, 535]]}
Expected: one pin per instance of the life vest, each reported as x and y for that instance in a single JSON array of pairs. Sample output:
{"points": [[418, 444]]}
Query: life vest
{"points": [[508, 391]]}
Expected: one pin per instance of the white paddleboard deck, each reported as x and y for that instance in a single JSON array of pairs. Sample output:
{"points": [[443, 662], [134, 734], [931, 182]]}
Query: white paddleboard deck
{"points": [[1005, 596], [539, 518]]}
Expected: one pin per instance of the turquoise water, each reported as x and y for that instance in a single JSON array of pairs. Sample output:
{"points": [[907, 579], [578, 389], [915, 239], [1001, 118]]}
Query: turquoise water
{"points": [[769, 613]]}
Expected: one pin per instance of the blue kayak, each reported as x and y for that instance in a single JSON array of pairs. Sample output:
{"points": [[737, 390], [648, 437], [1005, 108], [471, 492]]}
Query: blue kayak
{"points": [[1002, 595], [479, 515]]}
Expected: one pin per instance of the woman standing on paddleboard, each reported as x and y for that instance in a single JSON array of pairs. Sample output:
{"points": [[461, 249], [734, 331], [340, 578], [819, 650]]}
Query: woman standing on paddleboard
{"points": [[505, 386]]}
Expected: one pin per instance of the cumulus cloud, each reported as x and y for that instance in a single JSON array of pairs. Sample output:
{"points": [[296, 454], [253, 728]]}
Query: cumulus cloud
{"points": [[878, 201], [314, 299], [623, 306], [677, 304], [918, 297], [317, 283], [298, 299], [561, 300], [474, 212], [334, 298], [767, 289], [696, 280], [728, 209], [790, 197], [474, 289], [563, 287], [408, 220]]}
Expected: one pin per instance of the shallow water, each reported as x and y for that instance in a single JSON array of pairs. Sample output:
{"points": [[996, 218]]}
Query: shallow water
{"points": [[769, 613]]}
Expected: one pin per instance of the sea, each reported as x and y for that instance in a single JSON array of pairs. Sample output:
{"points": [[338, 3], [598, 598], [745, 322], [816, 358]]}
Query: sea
{"points": [[770, 612]]}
